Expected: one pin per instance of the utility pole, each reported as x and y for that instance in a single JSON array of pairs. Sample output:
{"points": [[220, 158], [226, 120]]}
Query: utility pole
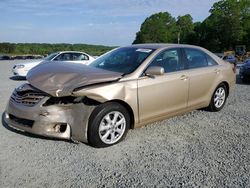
{"points": [[179, 37]]}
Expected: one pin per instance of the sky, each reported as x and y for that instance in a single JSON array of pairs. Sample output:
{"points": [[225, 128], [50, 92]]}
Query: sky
{"points": [[104, 22]]}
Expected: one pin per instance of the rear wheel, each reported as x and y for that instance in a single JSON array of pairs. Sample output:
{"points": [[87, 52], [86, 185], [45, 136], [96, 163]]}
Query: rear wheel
{"points": [[108, 124], [218, 99]]}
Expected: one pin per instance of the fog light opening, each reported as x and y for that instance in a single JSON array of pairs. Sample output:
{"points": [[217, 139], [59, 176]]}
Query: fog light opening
{"points": [[7, 115], [60, 127]]}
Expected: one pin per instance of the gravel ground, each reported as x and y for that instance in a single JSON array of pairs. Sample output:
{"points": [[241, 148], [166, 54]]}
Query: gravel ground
{"points": [[198, 149]]}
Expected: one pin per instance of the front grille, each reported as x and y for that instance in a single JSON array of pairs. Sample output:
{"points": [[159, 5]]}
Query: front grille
{"points": [[23, 122], [27, 98]]}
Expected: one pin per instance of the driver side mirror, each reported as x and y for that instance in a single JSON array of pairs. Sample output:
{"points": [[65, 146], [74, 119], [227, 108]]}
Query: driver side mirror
{"points": [[154, 71]]}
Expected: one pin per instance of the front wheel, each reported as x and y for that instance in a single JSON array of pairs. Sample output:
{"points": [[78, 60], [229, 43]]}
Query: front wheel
{"points": [[218, 99], [108, 124]]}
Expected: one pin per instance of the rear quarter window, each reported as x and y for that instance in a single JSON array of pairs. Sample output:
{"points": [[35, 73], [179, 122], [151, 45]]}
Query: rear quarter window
{"points": [[211, 61]]}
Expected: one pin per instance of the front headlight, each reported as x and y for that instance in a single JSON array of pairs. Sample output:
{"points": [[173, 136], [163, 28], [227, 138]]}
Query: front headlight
{"points": [[19, 66]]}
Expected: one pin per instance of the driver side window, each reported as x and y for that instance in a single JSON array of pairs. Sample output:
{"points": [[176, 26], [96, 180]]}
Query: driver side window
{"points": [[170, 60]]}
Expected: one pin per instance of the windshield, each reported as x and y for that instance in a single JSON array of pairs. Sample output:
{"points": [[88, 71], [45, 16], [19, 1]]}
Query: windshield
{"points": [[124, 60], [50, 57]]}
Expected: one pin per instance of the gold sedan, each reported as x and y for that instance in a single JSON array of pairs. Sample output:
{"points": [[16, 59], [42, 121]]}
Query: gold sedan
{"points": [[125, 88]]}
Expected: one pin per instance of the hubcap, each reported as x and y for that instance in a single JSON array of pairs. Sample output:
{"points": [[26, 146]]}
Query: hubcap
{"points": [[112, 127], [219, 97]]}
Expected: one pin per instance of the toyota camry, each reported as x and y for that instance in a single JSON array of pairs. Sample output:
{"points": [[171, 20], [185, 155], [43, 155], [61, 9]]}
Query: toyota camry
{"points": [[125, 88]]}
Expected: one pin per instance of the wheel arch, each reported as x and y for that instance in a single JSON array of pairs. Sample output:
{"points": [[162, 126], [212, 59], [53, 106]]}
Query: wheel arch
{"points": [[129, 109], [227, 86]]}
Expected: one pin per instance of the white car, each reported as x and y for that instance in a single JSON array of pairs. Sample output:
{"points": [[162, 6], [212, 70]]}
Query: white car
{"points": [[21, 69]]}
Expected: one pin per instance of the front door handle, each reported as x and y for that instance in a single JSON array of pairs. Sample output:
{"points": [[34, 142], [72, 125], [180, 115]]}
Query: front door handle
{"points": [[184, 77]]}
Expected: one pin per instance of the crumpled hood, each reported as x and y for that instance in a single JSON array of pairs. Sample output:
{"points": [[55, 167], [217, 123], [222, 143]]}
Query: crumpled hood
{"points": [[61, 78]]}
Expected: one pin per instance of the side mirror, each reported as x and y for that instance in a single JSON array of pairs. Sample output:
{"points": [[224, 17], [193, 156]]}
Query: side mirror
{"points": [[154, 71]]}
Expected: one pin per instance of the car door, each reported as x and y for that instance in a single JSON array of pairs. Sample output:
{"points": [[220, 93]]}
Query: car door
{"points": [[203, 72], [166, 93]]}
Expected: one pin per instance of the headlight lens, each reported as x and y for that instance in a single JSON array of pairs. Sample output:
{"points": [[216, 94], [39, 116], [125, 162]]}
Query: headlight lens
{"points": [[19, 66]]}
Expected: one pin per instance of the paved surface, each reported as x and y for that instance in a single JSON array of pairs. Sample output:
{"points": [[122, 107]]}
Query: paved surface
{"points": [[197, 149]]}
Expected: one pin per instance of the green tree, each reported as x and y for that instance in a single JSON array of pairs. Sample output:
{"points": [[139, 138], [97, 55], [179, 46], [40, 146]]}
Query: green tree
{"points": [[226, 25], [245, 7], [158, 28], [185, 28], [7, 48]]}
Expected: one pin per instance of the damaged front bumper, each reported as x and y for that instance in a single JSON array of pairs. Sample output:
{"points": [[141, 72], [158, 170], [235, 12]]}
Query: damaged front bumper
{"points": [[64, 121]]}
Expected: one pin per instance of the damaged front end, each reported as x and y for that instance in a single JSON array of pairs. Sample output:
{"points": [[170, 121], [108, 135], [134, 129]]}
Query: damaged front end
{"points": [[58, 100], [37, 112]]}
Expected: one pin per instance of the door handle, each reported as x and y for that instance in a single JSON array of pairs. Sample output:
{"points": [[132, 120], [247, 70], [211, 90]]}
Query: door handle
{"points": [[184, 77], [217, 71]]}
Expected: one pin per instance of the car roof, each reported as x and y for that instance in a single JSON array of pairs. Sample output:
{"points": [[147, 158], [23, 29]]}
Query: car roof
{"points": [[70, 52], [162, 45]]}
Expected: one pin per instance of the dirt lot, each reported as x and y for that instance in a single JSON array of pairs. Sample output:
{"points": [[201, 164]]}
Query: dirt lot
{"points": [[197, 149]]}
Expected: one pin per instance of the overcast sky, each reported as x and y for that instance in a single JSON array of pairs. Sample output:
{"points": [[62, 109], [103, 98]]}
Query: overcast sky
{"points": [[106, 22]]}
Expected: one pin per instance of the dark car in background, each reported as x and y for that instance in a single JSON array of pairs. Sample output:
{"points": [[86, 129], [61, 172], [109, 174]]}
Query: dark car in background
{"points": [[230, 58], [5, 57], [245, 71]]}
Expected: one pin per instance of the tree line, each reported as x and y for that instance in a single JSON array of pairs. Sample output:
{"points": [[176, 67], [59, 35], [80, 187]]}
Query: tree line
{"points": [[43, 48], [227, 25]]}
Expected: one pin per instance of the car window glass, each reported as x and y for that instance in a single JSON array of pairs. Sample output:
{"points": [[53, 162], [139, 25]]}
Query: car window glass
{"points": [[169, 60], [196, 58], [64, 57], [79, 57], [50, 57], [124, 60], [210, 61], [83, 57]]}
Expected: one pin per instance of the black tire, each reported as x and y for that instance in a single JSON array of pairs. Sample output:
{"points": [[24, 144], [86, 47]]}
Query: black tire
{"points": [[212, 106], [97, 116]]}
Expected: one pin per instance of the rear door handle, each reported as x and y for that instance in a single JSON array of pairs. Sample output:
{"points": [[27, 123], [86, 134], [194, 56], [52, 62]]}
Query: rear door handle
{"points": [[217, 71], [184, 77]]}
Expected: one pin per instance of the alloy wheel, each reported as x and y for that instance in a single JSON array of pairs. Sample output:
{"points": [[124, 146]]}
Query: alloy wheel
{"points": [[112, 127], [219, 97]]}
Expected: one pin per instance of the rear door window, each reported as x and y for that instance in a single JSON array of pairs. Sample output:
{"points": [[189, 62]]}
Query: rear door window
{"points": [[198, 59], [79, 57]]}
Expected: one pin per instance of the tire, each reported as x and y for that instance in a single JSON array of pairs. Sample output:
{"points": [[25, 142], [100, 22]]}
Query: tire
{"points": [[108, 125], [218, 98]]}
